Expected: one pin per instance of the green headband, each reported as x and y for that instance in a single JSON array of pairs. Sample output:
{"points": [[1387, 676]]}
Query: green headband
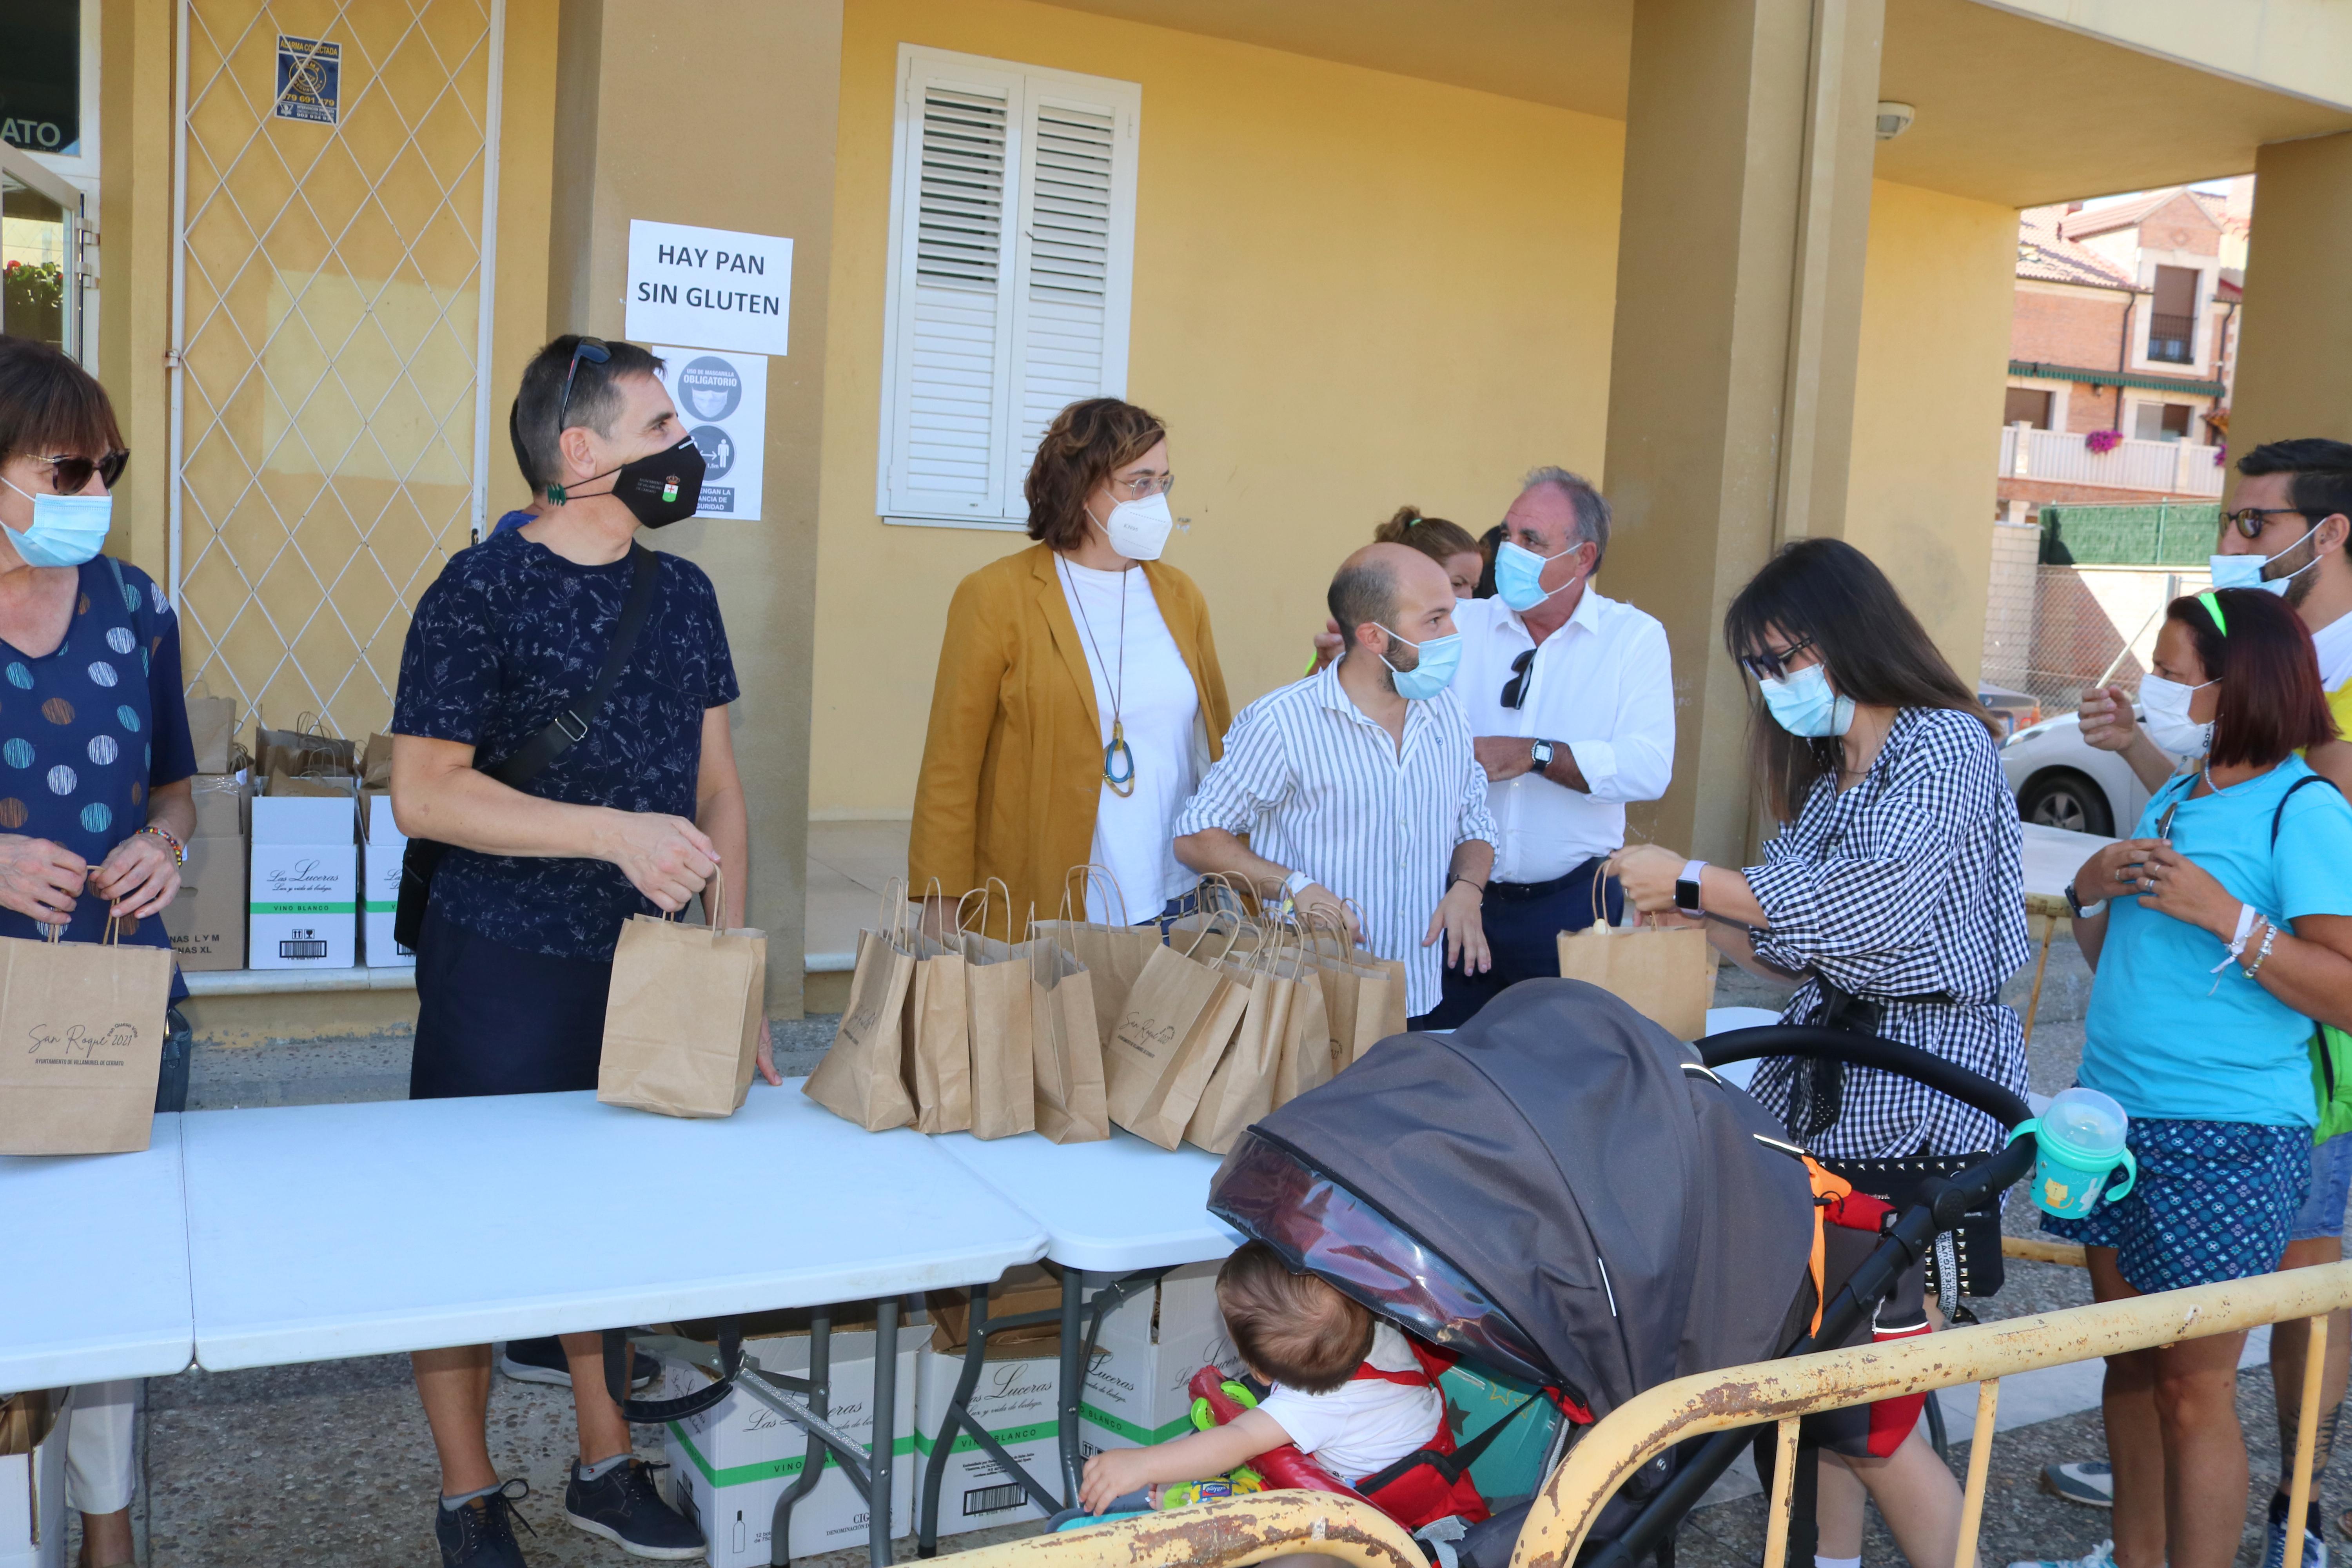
{"points": [[2213, 608]]}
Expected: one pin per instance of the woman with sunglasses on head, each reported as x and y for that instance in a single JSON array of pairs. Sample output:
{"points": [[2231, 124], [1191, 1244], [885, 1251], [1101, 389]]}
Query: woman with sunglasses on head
{"points": [[95, 801], [2217, 933], [1078, 699], [1892, 898]]}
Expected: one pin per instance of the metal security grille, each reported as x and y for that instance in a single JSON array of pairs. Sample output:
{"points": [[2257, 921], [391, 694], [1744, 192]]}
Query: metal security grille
{"points": [[331, 301]]}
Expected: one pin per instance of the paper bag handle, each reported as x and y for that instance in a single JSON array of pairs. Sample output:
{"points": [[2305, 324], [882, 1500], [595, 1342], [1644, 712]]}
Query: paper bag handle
{"points": [[1095, 874], [983, 891], [308, 723]]}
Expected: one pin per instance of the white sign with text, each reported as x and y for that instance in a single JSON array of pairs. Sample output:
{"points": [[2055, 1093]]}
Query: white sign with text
{"points": [[722, 401], [712, 287]]}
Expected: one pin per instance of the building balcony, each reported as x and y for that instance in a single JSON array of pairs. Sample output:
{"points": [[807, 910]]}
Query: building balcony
{"points": [[2061, 456], [2171, 340]]}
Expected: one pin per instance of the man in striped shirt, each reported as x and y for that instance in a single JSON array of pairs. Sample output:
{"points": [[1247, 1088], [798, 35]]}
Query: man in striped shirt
{"points": [[1360, 784]]}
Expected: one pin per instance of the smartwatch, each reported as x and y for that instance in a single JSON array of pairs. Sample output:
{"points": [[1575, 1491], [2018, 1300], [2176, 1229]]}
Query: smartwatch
{"points": [[1541, 753], [1687, 887], [2083, 912]]}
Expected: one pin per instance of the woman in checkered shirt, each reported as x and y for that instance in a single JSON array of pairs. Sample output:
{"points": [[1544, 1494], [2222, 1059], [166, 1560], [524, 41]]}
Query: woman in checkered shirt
{"points": [[1892, 898]]}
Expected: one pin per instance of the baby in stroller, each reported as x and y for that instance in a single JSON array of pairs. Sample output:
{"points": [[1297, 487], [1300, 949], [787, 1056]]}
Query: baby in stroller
{"points": [[1343, 1387]]}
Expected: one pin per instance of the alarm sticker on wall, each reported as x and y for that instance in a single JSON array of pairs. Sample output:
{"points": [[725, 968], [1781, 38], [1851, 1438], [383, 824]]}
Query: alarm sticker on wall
{"points": [[722, 401]]}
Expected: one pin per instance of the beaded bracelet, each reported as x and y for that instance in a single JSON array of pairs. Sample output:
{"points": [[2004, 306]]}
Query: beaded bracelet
{"points": [[2270, 935], [179, 850]]}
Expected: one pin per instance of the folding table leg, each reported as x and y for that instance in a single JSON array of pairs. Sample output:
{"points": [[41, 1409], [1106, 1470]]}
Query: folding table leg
{"points": [[820, 1394], [886, 1396], [1073, 1383], [935, 1470]]}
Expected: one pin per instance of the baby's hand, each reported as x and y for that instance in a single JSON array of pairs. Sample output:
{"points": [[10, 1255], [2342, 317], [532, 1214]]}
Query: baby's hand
{"points": [[1113, 1473]]}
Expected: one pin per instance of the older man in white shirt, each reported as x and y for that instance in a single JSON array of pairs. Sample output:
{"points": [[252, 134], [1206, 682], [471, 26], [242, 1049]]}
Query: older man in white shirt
{"points": [[1571, 696]]}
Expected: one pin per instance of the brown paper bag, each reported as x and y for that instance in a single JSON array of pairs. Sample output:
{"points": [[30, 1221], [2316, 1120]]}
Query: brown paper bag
{"points": [[862, 1077], [1307, 1057], [996, 997], [1667, 975], [375, 762], [1240, 1089], [1113, 953], [1363, 996], [1067, 1047], [81, 1045], [1179, 1018], [939, 1039], [212, 728], [684, 1016], [303, 752]]}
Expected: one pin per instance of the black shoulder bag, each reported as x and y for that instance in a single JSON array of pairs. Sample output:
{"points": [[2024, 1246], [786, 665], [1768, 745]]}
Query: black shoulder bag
{"points": [[531, 758]]}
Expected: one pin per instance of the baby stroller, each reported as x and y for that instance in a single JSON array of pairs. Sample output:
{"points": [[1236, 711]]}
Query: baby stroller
{"points": [[1564, 1194]]}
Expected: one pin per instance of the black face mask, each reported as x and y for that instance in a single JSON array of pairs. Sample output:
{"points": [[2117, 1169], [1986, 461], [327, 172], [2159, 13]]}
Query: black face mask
{"points": [[659, 489]]}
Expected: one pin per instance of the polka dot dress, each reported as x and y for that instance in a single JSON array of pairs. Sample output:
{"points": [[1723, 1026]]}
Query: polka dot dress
{"points": [[88, 731]]}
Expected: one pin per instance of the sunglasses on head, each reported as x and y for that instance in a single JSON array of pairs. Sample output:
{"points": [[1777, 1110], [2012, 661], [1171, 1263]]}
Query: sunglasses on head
{"points": [[68, 475], [1770, 666], [594, 351]]}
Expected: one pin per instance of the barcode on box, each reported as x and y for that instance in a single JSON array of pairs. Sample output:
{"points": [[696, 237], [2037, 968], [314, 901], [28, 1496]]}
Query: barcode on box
{"points": [[312, 949], [991, 1500]]}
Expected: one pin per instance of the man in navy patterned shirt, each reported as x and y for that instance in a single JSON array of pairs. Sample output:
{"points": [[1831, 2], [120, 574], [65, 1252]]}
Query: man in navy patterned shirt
{"points": [[639, 815]]}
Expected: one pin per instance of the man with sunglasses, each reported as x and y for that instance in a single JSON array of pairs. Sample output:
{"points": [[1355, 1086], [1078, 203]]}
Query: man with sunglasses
{"points": [[2288, 529], [629, 804], [1571, 696]]}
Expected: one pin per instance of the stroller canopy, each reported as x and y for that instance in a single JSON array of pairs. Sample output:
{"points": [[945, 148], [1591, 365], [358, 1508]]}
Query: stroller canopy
{"points": [[1545, 1191]]}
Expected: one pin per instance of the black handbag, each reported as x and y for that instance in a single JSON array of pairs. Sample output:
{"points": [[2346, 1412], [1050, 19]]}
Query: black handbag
{"points": [[423, 856], [1964, 1261]]}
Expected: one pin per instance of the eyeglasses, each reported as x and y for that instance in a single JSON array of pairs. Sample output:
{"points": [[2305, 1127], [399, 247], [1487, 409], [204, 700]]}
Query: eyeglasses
{"points": [[594, 350], [2248, 520], [1514, 691], [1770, 666], [1143, 485], [67, 475]]}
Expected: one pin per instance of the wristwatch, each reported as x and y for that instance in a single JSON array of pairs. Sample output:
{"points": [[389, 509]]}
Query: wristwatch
{"points": [[2083, 912], [1541, 752], [1687, 887]]}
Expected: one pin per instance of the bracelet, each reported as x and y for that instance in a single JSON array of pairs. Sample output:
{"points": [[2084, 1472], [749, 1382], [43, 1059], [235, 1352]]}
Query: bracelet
{"points": [[179, 850], [1480, 886], [2270, 935]]}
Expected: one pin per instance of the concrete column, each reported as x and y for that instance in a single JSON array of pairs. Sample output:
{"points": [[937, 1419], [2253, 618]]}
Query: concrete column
{"points": [[722, 114], [2295, 347], [1747, 206]]}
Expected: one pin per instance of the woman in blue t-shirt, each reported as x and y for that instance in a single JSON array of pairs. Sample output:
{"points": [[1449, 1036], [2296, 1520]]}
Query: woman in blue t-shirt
{"points": [[2218, 932]]}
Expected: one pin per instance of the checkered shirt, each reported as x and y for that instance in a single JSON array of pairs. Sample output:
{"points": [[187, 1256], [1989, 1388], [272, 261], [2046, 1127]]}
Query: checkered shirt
{"points": [[1908, 884]]}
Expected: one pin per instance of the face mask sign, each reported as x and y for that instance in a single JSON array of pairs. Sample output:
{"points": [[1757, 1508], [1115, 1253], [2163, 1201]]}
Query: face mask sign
{"points": [[2166, 703], [66, 530], [1439, 658]]}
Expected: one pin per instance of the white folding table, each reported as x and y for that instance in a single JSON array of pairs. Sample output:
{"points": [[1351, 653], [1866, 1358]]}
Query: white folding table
{"points": [[1116, 1208], [326, 1231], [99, 1289]]}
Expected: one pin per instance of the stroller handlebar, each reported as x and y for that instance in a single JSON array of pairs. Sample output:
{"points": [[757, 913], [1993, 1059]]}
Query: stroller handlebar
{"points": [[1968, 1087]]}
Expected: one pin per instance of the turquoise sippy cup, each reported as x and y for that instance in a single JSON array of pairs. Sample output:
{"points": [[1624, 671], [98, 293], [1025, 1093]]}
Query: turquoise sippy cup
{"points": [[2082, 1144]]}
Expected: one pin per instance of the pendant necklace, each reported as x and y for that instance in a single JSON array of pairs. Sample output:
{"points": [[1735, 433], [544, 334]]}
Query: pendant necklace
{"points": [[1118, 762]]}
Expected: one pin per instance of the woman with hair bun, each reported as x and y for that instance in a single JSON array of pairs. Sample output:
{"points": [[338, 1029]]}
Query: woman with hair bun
{"points": [[1078, 697], [1447, 543]]}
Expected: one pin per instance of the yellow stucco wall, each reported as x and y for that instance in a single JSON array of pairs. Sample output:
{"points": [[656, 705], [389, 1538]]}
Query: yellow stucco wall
{"points": [[1352, 289], [1938, 291]]}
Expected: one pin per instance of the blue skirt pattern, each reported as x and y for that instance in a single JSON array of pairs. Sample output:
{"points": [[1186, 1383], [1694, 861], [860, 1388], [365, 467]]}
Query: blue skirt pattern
{"points": [[2215, 1201]]}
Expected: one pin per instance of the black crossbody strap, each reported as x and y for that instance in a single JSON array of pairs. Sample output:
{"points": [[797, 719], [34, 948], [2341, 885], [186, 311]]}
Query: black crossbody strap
{"points": [[2280, 815], [533, 756]]}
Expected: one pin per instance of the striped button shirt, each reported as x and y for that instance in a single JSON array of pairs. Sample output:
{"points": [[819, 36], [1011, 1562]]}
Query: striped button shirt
{"points": [[1321, 789]]}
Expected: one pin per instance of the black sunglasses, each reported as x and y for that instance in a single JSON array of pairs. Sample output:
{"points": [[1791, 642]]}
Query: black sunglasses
{"points": [[68, 475], [1769, 666], [1514, 691], [594, 351], [2248, 520]]}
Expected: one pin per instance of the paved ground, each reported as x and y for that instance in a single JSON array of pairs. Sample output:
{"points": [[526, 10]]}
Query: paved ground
{"points": [[332, 1463]]}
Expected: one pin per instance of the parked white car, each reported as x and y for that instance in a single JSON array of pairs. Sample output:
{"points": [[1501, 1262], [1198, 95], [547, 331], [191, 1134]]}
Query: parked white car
{"points": [[2063, 781]]}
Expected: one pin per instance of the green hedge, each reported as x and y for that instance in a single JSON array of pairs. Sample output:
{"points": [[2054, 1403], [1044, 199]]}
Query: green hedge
{"points": [[2167, 534]]}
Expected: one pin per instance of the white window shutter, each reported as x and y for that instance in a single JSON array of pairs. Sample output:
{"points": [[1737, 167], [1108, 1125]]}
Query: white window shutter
{"points": [[1075, 252], [948, 344]]}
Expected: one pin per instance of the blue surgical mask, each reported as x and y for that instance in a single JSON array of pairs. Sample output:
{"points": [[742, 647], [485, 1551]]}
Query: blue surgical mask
{"points": [[1804, 705], [1439, 658], [66, 530], [2246, 571], [1518, 576]]}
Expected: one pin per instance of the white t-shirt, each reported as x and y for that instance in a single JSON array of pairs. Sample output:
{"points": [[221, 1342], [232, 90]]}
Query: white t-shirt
{"points": [[1362, 1426], [1159, 708], [2334, 642]]}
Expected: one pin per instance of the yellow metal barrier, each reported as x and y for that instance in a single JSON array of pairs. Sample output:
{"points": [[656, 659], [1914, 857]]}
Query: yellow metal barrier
{"points": [[1240, 1530]]}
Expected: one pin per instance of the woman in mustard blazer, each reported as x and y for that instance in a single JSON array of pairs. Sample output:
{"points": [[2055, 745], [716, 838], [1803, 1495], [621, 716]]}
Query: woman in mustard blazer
{"points": [[1078, 697]]}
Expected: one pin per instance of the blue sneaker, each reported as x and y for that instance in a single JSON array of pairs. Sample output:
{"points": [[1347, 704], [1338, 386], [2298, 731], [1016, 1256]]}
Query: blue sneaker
{"points": [[2091, 1482], [624, 1507], [2315, 1544], [543, 1360], [2103, 1555], [479, 1533]]}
